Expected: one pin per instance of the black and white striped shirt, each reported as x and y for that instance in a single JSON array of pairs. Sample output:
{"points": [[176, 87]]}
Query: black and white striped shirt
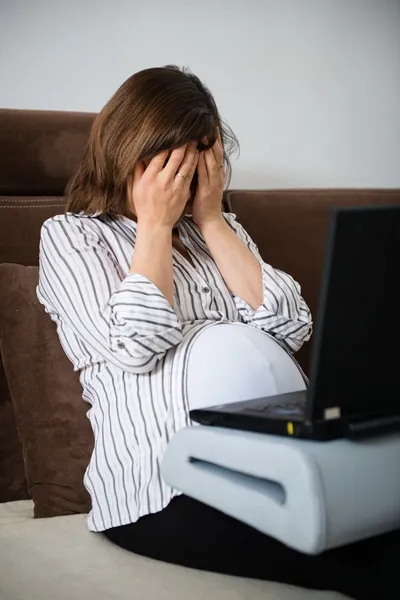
{"points": [[131, 347]]}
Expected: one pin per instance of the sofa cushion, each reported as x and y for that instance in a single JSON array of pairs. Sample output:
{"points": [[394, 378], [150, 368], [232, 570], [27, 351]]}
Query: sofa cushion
{"points": [[16, 511], [19, 243], [50, 414]]}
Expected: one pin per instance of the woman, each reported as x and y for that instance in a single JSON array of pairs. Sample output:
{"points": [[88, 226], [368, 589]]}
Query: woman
{"points": [[150, 284]]}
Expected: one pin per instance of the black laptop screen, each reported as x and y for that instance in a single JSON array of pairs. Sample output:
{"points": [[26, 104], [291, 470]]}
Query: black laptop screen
{"points": [[356, 353]]}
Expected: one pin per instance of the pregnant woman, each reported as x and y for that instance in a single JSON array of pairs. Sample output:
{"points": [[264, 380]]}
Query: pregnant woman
{"points": [[163, 303]]}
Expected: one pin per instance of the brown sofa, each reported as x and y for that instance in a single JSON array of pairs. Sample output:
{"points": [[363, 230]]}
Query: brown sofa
{"points": [[45, 440]]}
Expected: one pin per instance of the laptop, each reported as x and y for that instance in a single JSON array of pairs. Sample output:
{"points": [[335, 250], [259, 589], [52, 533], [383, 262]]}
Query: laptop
{"points": [[354, 388]]}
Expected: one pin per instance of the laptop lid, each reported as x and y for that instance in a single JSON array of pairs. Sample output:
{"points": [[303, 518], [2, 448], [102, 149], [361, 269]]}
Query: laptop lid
{"points": [[355, 366]]}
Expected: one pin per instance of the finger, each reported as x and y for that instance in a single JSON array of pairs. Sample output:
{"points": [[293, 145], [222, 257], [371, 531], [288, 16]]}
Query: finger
{"points": [[138, 171], [218, 149], [188, 166], [188, 171], [175, 161], [193, 168], [211, 162], [195, 163], [202, 169], [156, 164]]}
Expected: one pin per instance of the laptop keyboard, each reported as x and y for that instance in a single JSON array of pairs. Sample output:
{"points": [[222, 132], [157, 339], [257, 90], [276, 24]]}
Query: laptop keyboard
{"points": [[291, 407]]}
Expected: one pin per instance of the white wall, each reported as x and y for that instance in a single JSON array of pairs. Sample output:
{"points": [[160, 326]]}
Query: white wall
{"points": [[310, 87]]}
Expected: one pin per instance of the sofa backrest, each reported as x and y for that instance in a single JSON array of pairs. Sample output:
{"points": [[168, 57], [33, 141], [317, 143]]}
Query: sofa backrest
{"points": [[38, 152]]}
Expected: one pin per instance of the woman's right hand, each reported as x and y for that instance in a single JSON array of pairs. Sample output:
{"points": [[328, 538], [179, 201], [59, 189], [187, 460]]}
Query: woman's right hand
{"points": [[157, 195]]}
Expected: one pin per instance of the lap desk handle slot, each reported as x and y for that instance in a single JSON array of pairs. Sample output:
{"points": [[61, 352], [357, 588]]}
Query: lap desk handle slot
{"points": [[272, 489]]}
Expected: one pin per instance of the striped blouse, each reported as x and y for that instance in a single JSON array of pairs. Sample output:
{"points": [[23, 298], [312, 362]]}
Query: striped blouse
{"points": [[131, 347]]}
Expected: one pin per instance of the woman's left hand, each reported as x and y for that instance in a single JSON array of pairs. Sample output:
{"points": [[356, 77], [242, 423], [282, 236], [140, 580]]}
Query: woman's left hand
{"points": [[207, 204]]}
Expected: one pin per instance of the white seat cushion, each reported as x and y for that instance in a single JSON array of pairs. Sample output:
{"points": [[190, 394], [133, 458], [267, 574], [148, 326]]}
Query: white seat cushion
{"points": [[12, 512], [59, 558]]}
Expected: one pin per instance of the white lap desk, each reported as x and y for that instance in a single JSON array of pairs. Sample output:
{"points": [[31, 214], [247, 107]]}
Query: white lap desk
{"points": [[312, 496]]}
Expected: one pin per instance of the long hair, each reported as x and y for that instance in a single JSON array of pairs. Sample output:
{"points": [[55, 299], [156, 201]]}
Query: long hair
{"points": [[155, 109]]}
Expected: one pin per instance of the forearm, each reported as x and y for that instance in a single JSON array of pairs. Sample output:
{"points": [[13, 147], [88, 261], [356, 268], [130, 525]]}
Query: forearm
{"points": [[152, 257], [238, 266]]}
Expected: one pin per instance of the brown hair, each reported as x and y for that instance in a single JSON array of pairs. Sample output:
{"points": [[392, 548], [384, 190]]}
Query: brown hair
{"points": [[154, 110]]}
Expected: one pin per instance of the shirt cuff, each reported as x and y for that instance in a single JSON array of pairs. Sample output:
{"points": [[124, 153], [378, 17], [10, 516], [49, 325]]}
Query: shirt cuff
{"points": [[142, 322]]}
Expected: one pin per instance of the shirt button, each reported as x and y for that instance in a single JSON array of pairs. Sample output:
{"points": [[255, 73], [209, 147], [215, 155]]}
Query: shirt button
{"points": [[206, 290], [121, 345]]}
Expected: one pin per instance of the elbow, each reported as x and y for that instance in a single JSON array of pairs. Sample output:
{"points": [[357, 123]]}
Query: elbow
{"points": [[145, 367], [295, 342]]}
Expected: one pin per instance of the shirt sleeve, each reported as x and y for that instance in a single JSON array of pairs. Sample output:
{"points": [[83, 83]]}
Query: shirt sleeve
{"points": [[125, 320], [283, 312]]}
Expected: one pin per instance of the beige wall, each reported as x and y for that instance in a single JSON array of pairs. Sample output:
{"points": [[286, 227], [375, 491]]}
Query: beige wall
{"points": [[311, 87]]}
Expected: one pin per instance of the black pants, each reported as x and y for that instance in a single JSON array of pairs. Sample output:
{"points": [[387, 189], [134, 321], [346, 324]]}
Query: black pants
{"points": [[192, 534]]}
